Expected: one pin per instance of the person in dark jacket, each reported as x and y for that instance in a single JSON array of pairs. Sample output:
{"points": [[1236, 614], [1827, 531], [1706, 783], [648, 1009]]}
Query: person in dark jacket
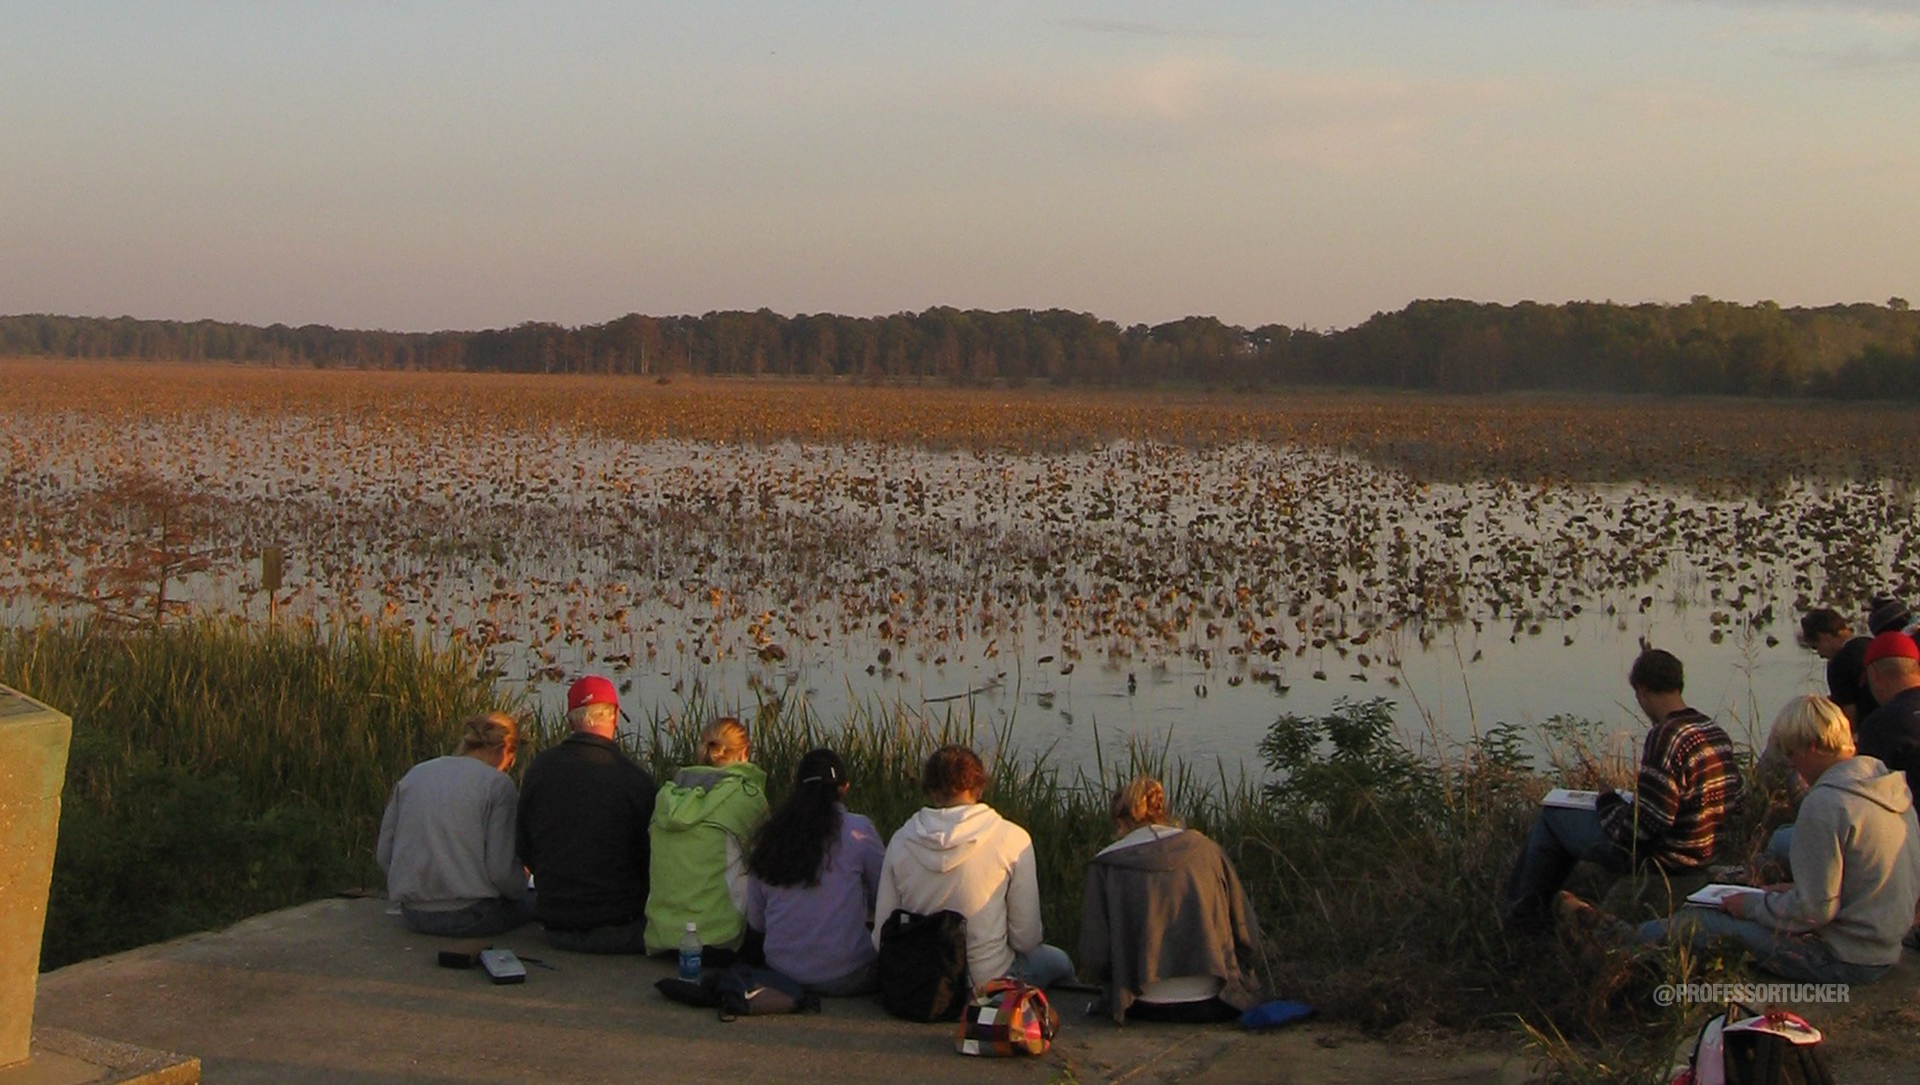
{"points": [[1832, 639], [1892, 731], [1165, 927], [584, 807]]}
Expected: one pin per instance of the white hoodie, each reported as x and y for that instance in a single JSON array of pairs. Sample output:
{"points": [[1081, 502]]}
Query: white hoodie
{"points": [[970, 860]]}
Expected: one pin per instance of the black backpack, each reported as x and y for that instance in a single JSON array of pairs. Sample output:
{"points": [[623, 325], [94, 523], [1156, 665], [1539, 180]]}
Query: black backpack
{"points": [[923, 966], [1741, 1047]]}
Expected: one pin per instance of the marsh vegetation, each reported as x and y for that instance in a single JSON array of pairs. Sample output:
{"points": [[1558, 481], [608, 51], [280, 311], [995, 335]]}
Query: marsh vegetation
{"points": [[1183, 565]]}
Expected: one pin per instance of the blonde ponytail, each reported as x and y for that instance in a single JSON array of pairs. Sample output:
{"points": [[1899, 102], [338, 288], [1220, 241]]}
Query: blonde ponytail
{"points": [[724, 742]]}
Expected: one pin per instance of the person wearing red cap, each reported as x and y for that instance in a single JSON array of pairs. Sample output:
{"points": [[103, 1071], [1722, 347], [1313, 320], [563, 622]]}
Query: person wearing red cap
{"points": [[584, 807], [1892, 731]]}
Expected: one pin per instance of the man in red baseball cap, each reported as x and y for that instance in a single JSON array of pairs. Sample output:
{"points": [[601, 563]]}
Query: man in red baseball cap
{"points": [[592, 690], [1892, 731], [584, 808]]}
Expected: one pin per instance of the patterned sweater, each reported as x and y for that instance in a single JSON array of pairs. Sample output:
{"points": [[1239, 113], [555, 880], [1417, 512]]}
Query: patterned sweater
{"points": [[1688, 786]]}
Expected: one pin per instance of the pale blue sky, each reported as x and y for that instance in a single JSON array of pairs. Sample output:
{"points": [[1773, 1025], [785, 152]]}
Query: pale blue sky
{"points": [[418, 166]]}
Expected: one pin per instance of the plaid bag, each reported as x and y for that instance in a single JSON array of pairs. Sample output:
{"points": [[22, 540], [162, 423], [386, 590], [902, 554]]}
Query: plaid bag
{"points": [[1007, 1017]]}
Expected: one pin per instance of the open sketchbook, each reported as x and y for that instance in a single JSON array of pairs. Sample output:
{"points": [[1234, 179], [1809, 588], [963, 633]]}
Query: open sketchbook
{"points": [[1568, 799], [1716, 894]]}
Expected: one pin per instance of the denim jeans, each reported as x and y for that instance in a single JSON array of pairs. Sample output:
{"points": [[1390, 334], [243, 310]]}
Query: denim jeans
{"points": [[1044, 967], [613, 938], [477, 920], [1560, 838], [1802, 957], [864, 980], [1780, 845]]}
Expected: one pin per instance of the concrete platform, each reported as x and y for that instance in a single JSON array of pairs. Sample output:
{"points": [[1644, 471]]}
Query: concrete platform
{"points": [[338, 991], [61, 1057]]}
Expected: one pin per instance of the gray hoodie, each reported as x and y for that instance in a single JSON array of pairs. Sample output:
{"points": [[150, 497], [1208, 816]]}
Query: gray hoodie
{"points": [[1855, 862]]}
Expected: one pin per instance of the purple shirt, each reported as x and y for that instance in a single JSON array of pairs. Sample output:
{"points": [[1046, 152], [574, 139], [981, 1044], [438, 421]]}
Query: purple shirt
{"points": [[818, 933]]}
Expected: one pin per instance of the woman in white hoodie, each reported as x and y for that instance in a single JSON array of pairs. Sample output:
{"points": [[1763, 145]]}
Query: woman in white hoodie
{"points": [[957, 854], [1855, 860]]}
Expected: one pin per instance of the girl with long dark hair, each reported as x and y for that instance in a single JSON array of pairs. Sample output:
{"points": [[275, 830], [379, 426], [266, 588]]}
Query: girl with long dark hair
{"points": [[812, 872]]}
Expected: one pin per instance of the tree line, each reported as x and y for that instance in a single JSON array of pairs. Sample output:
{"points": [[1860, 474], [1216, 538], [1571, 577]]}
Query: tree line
{"points": [[1702, 346]]}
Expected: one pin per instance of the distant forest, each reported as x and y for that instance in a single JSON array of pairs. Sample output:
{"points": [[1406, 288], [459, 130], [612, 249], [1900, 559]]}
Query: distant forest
{"points": [[1703, 346]]}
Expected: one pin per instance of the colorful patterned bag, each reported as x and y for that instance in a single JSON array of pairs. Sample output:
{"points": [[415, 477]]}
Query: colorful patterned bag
{"points": [[1007, 1017]]}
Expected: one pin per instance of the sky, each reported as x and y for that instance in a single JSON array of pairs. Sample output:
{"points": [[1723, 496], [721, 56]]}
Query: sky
{"points": [[419, 166]]}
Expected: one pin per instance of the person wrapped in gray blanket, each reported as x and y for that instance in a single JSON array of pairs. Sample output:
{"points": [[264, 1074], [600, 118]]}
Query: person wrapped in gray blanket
{"points": [[1165, 927]]}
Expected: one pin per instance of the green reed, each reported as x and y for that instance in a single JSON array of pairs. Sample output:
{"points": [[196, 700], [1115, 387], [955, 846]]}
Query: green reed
{"points": [[219, 770]]}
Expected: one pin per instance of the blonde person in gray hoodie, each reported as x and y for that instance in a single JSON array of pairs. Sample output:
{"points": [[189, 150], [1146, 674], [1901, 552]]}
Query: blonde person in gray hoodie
{"points": [[1855, 863], [958, 854]]}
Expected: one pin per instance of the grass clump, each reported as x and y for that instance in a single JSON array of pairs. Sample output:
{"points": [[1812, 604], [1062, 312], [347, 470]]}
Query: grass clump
{"points": [[217, 770]]}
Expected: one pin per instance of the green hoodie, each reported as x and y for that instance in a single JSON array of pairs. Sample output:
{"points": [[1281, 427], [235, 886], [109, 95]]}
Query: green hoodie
{"points": [[695, 817]]}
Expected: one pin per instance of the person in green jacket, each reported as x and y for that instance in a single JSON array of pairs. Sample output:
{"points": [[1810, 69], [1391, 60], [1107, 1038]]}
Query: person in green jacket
{"points": [[701, 822]]}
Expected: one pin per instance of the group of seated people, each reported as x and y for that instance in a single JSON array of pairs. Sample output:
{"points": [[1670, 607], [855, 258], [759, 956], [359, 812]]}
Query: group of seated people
{"points": [[1850, 857], [620, 865], [623, 865]]}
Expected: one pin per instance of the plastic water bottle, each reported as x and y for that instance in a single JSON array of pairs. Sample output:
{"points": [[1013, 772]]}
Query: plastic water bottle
{"points": [[690, 954]]}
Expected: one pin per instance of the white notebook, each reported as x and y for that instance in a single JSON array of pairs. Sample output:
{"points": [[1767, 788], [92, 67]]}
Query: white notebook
{"points": [[1716, 894], [1569, 799]]}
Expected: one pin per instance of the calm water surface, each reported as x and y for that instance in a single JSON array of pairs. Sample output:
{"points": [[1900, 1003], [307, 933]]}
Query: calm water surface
{"points": [[1180, 596]]}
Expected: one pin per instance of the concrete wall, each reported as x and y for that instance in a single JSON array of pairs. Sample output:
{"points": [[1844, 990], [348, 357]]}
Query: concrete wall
{"points": [[33, 765]]}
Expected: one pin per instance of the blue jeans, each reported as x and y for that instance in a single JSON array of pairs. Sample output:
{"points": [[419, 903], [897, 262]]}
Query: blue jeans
{"points": [[1801, 957], [496, 915], [1560, 839], [1780, 845], [864, 980], [1044, 967], [613, 938]]}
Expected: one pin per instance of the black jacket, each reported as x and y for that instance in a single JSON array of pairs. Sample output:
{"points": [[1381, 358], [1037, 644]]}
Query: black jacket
{"points": [[584, 808], [1892, 734]]}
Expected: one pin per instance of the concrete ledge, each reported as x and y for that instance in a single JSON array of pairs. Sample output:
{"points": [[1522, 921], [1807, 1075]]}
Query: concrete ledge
{"points": [[61, 1057], [339, 990]]}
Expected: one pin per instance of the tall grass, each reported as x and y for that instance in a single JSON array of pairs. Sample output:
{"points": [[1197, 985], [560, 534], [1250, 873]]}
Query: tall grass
{"points": [[218, 770]]}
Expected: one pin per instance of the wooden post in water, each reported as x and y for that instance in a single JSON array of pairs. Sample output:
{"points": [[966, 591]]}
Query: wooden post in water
{"points": [[33, 766], [273, 565]]}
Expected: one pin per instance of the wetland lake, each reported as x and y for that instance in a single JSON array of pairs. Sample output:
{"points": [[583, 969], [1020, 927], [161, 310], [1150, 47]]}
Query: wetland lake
{"points": [[1142, 576]]}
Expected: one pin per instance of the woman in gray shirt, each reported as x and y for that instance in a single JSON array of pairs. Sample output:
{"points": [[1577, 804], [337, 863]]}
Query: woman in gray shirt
{"points": [[446, 841]]}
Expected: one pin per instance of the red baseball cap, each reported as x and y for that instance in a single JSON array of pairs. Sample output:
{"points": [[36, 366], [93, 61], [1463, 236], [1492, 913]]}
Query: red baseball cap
{"points": [[1891, 645], [592, 689]]}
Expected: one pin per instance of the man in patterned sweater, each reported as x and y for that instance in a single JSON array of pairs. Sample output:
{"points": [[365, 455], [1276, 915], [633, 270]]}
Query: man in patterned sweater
{"points": [[1688, 785]]}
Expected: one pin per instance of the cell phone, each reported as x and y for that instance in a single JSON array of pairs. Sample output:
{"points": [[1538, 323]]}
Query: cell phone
{"points": [[459, 958], [503, 966]]}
